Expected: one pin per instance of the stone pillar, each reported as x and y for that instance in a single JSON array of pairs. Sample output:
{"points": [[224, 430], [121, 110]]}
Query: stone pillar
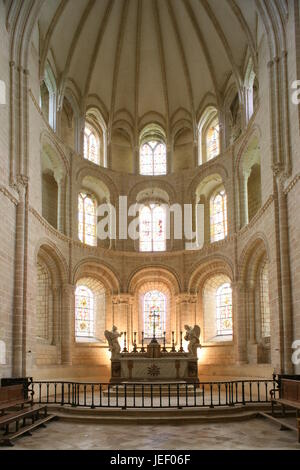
{"points": [[244, 199], [195, 153], [67, 323], [18, 319], [285, 279], [136, 160], [122, 316], [239, 322], [169, 158], [56, 295], [250, 295], [61, 198], [206, 202]]}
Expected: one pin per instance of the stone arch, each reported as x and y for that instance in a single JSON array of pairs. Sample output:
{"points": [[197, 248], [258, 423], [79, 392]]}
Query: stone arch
{"points": [[248, 174], [256, 247], [151, 274], [55, 153], [207, 267], [211, 169], [154, 183], [154, 279], [85, 171], [53, 253], [254, 274], [254, 132], [91, 267], [51, 276]]}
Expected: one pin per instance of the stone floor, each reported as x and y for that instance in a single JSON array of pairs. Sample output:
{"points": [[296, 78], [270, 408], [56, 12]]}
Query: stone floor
{"points": [[253, 434]]}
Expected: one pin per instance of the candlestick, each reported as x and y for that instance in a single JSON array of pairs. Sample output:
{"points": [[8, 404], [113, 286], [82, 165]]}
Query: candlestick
{"points": [[142, 348], [164, 348], [134, 343], [173, 342], [181, 348], [125, 343]]}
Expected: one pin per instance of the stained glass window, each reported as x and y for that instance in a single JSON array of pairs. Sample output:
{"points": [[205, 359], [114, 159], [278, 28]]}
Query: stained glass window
{"points": [[213, 141], [87, 227], [153, 158], [264, 302], [91, 149], [154, 314], [224, 310], [153, 228], [218, 216], [84, 312]]}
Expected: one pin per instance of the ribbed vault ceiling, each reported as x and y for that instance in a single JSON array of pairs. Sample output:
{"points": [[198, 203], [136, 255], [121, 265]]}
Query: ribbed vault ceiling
{"points": [[148, 56]]}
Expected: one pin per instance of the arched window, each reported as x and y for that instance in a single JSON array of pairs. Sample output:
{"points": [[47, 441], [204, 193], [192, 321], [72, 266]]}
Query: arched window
{"points": [[264, 302], [152, 228], [87, 219], [48, 96], [153, 158], [91, 150], [84, 312], [209, 135], [218, 216], [224, 310], [213, 140], [154, 310]]}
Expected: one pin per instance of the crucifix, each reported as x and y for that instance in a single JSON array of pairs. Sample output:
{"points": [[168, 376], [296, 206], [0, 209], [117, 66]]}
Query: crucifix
{"points": [[154, 315]]}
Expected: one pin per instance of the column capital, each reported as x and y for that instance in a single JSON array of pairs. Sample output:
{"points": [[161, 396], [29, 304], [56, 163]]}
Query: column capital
{"points": [[68, 288], [122, 299], [185, 297]]}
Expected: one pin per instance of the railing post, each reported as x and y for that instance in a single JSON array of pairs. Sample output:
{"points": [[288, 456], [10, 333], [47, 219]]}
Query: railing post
{"points": [[211, 396], [243, 393], [73, 394], [93, 400], [62, 399]]}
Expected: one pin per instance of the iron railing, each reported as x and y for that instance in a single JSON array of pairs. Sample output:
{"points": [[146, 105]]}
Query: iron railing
{"points": [[152, 395]]}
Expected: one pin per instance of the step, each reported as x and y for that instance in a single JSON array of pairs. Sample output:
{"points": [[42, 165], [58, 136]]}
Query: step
{"points": [[283, 424], [7, 440], [158, 416]]}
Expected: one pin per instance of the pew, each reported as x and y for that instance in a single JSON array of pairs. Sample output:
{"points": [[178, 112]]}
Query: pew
{"points": [[16, 409]]}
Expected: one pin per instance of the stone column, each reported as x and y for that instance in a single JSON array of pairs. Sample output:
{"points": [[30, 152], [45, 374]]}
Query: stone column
{"points": [[195, 153], [67, 323], [285, 278], [122, 315], [56, 294], [244, 199], [239, 322], [169, 158], [250, 295], [18, 320], [61, 198], [136, 160], [206, 202]]}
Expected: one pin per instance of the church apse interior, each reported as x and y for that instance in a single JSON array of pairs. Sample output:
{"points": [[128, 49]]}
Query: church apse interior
{"points": [[162, 104]]}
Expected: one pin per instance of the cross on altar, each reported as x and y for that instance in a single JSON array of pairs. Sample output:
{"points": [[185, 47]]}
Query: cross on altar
{"points": [[154, 315]]}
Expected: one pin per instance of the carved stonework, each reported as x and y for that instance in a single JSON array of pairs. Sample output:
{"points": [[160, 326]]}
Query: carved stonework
{"points": [[193, 369], [116, 369], [153, 370]]}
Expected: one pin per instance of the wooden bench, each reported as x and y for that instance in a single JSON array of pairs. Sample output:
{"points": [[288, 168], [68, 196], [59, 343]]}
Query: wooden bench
{"points": [[12, 396], [33, 413], [289, 397], [284, 425]]}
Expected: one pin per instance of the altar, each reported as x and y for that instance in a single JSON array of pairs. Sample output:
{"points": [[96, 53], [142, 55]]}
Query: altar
{"points": [[154, 363]]}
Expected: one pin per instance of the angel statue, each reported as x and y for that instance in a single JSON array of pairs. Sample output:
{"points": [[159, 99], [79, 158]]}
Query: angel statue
{"points": [[113, 342], [192, 335]]}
